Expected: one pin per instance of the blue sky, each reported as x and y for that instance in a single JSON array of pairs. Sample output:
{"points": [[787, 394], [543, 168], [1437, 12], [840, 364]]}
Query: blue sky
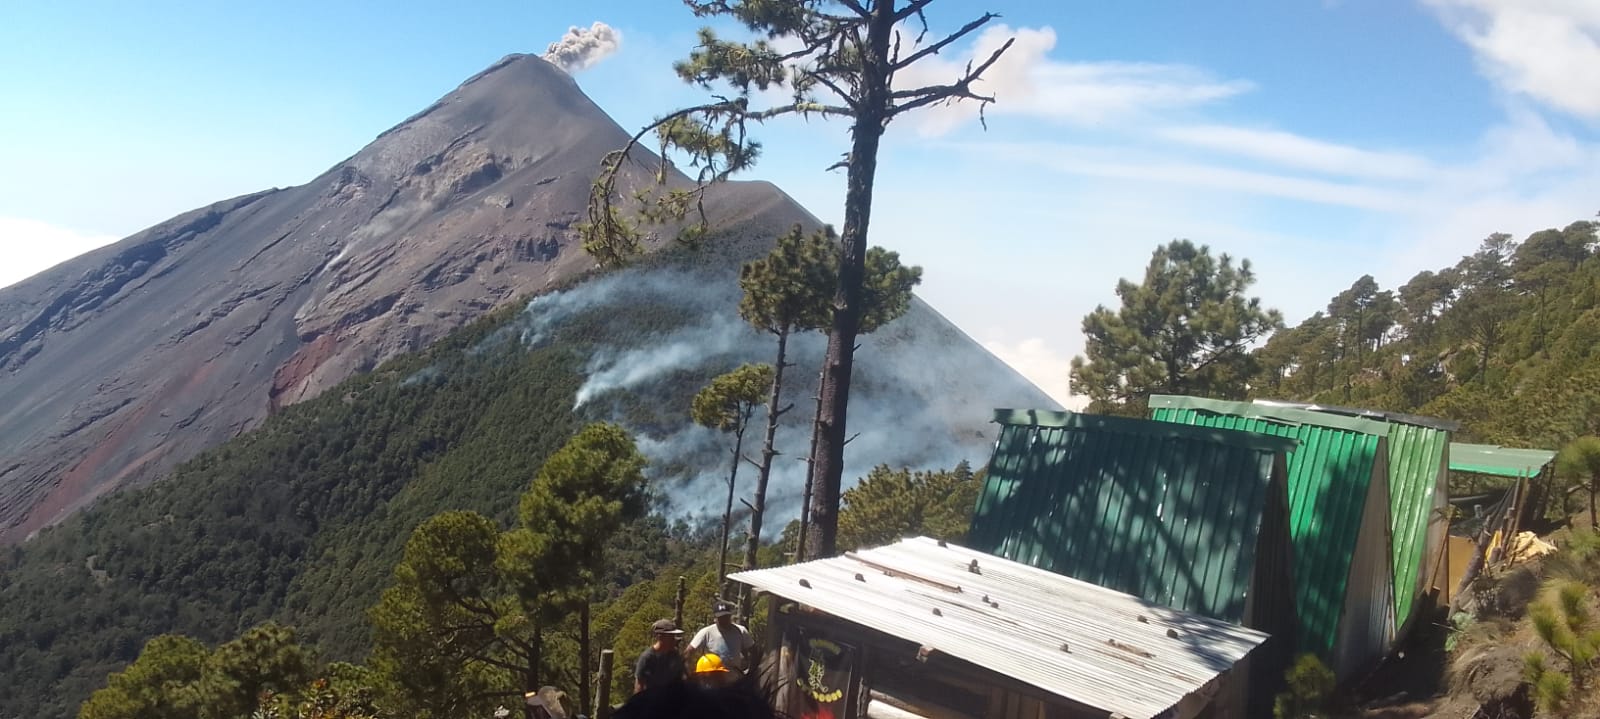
{"points": [[1322, 139]]}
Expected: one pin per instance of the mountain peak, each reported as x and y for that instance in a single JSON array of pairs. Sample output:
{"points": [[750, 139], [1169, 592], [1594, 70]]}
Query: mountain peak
{"points": [[137, 356]]}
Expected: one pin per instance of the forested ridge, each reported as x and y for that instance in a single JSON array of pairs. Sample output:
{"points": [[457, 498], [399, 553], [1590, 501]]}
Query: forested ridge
{"points": [[1506, 341], [301, 520]]}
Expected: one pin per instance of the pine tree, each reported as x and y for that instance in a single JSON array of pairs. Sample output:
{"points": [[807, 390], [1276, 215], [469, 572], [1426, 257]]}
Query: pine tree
{"points": [[176, 677], [849, 52], [726, 405], [791, 290], [786, 291], [468, 614], [1580, 460], [890, 504], [1565, 623], [146, 688], [1186, 329]]}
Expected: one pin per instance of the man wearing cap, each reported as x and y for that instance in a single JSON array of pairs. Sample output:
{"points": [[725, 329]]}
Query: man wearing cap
{"points": [[731, 642], [660, 664]]}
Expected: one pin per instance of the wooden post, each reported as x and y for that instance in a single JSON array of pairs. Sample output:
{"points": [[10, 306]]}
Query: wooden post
{"points": [[677, 608], [583, 661], [603, 702]]}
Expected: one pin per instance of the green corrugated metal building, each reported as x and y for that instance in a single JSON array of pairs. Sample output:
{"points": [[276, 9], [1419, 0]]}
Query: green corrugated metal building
{"points": [[1192, 518], [1339, 522], [1419, 493]]}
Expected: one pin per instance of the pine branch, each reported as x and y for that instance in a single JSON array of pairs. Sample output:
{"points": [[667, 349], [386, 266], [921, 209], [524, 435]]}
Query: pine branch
{"points": [[856, 8], [961, 89], [915, 7], [831, 85], [801, 108], [942, 44]]}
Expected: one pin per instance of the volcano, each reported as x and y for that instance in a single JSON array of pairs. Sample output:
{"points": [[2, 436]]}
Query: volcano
{"points": [[118, 364]]}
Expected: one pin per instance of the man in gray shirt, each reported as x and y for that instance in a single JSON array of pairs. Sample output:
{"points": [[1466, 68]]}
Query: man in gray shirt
{"points": [[730, 641]]}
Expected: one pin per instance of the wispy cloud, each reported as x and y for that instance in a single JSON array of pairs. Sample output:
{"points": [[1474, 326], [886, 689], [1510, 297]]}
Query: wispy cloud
{"points": [[1137, 163], [1027, 82], [31, 247], [1296, 151], [1547, 50]]}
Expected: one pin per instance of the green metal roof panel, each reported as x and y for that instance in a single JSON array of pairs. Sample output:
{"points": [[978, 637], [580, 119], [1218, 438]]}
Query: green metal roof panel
{"points": [[1498, 461], [1330, 475], [1166, 512]]}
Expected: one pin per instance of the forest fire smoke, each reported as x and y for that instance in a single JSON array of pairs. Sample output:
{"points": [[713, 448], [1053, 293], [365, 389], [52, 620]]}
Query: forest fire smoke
{"points": [[922, 398]]}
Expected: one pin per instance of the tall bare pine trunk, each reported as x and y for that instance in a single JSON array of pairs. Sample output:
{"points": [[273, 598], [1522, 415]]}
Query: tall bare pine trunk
{"points": [[828, 457]]}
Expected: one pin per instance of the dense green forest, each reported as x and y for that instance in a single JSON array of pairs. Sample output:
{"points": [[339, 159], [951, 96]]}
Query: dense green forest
{"points": [[1506, 340], [303, 519]]}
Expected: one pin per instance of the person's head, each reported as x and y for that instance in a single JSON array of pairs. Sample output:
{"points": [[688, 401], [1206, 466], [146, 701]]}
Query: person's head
{"points": [[723, 611], [666, 633]]}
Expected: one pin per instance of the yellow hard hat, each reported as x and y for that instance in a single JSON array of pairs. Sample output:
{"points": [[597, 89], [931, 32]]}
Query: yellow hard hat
{"points": [[709, 663]]}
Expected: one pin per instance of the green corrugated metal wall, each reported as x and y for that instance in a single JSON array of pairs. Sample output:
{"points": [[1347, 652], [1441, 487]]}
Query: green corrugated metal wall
{"points": [[1163, 511], [1330, 474], [1418, 451], [1417, 488]]}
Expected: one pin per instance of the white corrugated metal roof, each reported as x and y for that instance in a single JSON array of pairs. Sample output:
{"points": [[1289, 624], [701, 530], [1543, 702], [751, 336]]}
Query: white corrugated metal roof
{"points": [[1014, 619]]}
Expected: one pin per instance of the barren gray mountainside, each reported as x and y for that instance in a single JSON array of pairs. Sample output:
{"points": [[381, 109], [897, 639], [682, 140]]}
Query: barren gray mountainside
{"points": [[118, 364]]}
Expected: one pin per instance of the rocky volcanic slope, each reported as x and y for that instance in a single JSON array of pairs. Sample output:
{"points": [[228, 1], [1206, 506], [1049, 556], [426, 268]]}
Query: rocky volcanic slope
{"points": [[118, 364]]}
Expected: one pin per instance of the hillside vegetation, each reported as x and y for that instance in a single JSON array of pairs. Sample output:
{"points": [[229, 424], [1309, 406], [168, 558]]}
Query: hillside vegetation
{"points": [[303, 520], [1507, 341]]}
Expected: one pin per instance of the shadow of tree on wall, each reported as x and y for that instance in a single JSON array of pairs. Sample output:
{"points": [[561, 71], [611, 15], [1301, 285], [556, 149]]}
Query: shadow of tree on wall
{"points": [[1173, 517]]}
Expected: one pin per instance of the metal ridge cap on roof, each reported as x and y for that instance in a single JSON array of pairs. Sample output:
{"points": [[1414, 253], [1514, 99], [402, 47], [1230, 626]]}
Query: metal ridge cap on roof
{"points": [[1132, 425], [1142, 673], [1443, 425], [1285, 414]]}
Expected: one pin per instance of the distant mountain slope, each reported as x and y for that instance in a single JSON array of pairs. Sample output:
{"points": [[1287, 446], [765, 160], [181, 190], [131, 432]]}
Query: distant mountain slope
{"points": [[118, 364], [302, 519]]}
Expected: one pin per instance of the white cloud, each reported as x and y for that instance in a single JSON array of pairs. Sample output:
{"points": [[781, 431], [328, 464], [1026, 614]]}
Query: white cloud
{"points": [[1526, 176], [1025, 81], [1291, 150], [582, 48], [28, 247], [1042, 365], [1135, 163], [1545, 49]]}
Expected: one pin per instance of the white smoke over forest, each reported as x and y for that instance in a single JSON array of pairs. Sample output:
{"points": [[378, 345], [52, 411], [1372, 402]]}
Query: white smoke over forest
{"points": [[922, 398], [582, 48]]}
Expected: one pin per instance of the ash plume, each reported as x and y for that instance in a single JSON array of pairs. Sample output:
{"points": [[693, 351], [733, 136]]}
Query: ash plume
{"points": [[582, 48]]}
